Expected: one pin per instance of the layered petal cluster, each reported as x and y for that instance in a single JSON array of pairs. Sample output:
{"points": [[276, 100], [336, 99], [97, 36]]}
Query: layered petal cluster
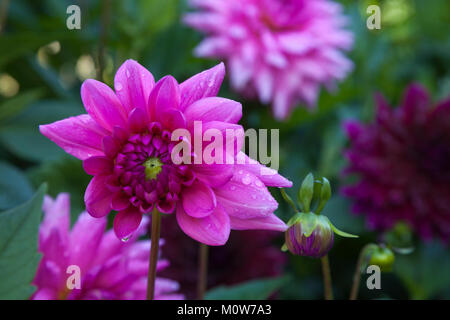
{"points": [[248, 255], [108, 269], [279, 50], [403, 161], [126, 143]]}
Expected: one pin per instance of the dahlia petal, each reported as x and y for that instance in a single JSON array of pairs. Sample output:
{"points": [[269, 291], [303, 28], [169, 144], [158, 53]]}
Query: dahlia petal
{"points": [[268, 176], [79, 136], [231, 133], [133, 84], [97, 165], [127, 222], [415, 104], [271, 222], [45, 294], [198, 200], [165, 95], [215, 175], [85, 238], [98, 197], [137, 120], [119, 201], [103, 105], [173, 119], [212, 230], [202, 85], [57, 217], [245, 196], [214, 109]]}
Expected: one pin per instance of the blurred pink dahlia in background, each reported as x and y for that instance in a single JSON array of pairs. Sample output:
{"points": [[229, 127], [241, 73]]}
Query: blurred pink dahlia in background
{"points": [[279, 50], [125, 142], [110, 269], [403, 162]]}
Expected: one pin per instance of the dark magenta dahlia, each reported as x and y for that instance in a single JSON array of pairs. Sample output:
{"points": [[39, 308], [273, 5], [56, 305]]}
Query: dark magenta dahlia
{"points": [[403, 161]]}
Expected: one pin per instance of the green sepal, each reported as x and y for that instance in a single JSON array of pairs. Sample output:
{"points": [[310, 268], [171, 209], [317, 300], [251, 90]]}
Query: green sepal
{"points": [[309, 222], [294, 219], [288, 199], [325, 194], [306, 192], [341, 233]]}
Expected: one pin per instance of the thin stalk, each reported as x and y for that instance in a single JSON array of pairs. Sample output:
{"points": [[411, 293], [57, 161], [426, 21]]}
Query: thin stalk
{"points": [[357, 274], [103, 37], [4, 5], [328, 289], [154, 248], [202, 279]]}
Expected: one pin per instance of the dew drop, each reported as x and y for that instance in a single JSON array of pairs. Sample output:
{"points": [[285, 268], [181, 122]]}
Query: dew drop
{"points": [[119, 86], [125, 239], [232, 188], [246, 180], [241, 172], [128, 73], [258, 183]]}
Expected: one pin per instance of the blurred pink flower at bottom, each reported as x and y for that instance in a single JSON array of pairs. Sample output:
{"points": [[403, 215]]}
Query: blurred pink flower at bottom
{"points": [[109, 269]]}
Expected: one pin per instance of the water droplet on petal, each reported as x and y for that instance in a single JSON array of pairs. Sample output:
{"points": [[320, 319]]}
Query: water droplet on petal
{"points": [[128, 73], [125, 239], [258, 183], [253, 197], [241, 172], [232, 188], [246, 180], [119, 86]]}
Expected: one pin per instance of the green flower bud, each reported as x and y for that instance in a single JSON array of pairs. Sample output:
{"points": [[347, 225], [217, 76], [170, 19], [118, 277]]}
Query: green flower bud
{"points": [[309, 235], [382, 257]]}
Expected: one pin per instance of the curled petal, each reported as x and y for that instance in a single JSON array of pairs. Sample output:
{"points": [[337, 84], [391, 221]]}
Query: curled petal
{"points": [[98, 197], [212, 230], [214, 109], [202, 85], [198, 200], [164, 96], [271, 222], [268, 176], [245, 197], [133, 84], [79, 136], [103, 105], [126, 222]]}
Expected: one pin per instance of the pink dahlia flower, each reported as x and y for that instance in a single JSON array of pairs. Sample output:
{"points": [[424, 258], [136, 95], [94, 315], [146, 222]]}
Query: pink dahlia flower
{"points": [[280, 50], [402, 159], [125, 142], [108, 268]]}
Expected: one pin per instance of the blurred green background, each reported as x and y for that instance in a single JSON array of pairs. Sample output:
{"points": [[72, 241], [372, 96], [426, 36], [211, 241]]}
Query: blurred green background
{"points": [[42, 65]]}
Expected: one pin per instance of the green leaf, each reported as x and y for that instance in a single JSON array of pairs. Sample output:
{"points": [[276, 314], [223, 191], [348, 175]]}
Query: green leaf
{"points": [[14, 186], [15, 105], [19, 255], [252, 290]]}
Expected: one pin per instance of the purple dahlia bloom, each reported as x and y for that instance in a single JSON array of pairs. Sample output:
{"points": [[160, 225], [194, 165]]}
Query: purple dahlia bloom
{"points": [[279, 50], [109, 269], [403, 162]]}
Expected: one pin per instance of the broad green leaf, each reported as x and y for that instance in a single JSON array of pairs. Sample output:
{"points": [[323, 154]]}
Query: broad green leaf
{"points": [[252, 290], [15, 105], [19, 255], [14, 186]]}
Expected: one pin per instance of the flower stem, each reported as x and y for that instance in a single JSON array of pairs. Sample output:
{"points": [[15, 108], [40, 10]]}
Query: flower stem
{"points": [[202, 279], [357, 274], [327, 278], [103, 37], [154, 248], [3, 14]]}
